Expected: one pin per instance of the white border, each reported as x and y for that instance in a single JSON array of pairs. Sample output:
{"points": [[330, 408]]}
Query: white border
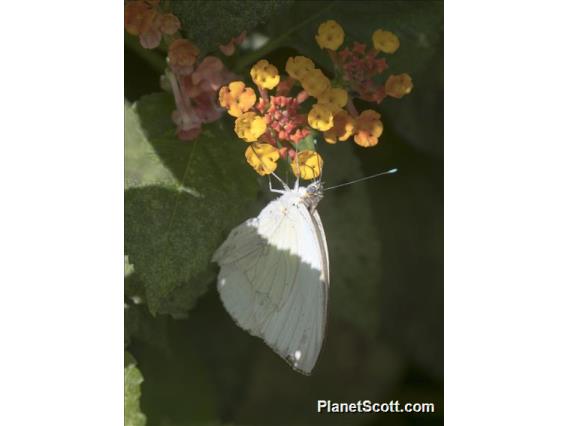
{"points": [[61, 225], [506, 211]]}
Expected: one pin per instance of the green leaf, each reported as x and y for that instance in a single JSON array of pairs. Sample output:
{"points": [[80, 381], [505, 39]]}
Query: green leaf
{"points": [[210, 24], [307, 144], [132, 381], [141, 164], [182, 198]]}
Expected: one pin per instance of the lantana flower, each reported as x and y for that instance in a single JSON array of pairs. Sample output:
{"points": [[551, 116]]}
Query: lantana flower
{"points": [[250, 126], [307, 165], [315, 82], [145, 20], [265, 75], [196, 95], [262, 157], [182, 55], [193, 83], [343, 127], [320, 117], [333, 98], [398, 85], [369, 128], [385, 41], [361, 68], [298, 66], [169, 24], [330, 35], [237, 98]]}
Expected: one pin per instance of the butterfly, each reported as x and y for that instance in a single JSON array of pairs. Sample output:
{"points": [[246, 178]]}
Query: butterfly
{"points": [[274, 275]]}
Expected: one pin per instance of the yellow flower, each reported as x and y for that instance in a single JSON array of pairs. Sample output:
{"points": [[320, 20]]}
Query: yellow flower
{"points": [[297, 67], [385, 41], [320, 117], [315, 82], [334, 98], [398, 85], [236, 98], [262, 157], [343, 126], [250, 126], [265, 74], [330, 35], [368, 128], [307, 165]]}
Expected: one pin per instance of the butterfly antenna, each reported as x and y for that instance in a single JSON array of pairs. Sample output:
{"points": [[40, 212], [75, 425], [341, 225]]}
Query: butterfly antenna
{"points": [[362, 179], [279, 180]]}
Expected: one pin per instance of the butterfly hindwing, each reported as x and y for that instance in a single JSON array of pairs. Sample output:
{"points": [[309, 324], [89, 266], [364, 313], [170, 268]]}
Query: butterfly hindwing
{"points": [[274, 279]]}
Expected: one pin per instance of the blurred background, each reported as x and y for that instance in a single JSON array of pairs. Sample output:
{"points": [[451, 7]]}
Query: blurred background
{"points": [[385, 332]]}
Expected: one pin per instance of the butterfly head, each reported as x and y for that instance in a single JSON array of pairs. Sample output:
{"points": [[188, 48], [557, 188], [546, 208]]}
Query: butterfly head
{"points": [[313, 194]]}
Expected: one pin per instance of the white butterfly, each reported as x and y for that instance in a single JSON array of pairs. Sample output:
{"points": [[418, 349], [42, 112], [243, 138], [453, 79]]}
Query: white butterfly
{"points": [[274, 277]]}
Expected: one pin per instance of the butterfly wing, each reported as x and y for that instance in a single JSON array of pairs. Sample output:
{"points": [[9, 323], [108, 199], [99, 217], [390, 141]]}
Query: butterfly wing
{"points": [[274, 280]]}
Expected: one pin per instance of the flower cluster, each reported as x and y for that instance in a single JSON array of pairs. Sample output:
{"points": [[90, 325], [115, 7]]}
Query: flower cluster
{"points": [[144, 19], [194, 86], [361, 66], [283, 118], [360, 69], [274, 126], [194, 81]]}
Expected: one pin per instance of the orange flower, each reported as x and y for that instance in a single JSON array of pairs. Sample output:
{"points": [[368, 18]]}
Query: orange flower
{"points": [[138, 17], [181, 56], [343, 126], [398, 85], [236, 98], [369, 128], [169, 24]]}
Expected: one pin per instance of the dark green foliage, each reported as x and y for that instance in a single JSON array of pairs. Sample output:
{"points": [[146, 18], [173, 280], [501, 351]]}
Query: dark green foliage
{"points": [[181, 200], [212, 23]]}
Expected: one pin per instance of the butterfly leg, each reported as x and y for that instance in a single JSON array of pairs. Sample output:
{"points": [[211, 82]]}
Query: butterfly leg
{"points": [[278, 191]]}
